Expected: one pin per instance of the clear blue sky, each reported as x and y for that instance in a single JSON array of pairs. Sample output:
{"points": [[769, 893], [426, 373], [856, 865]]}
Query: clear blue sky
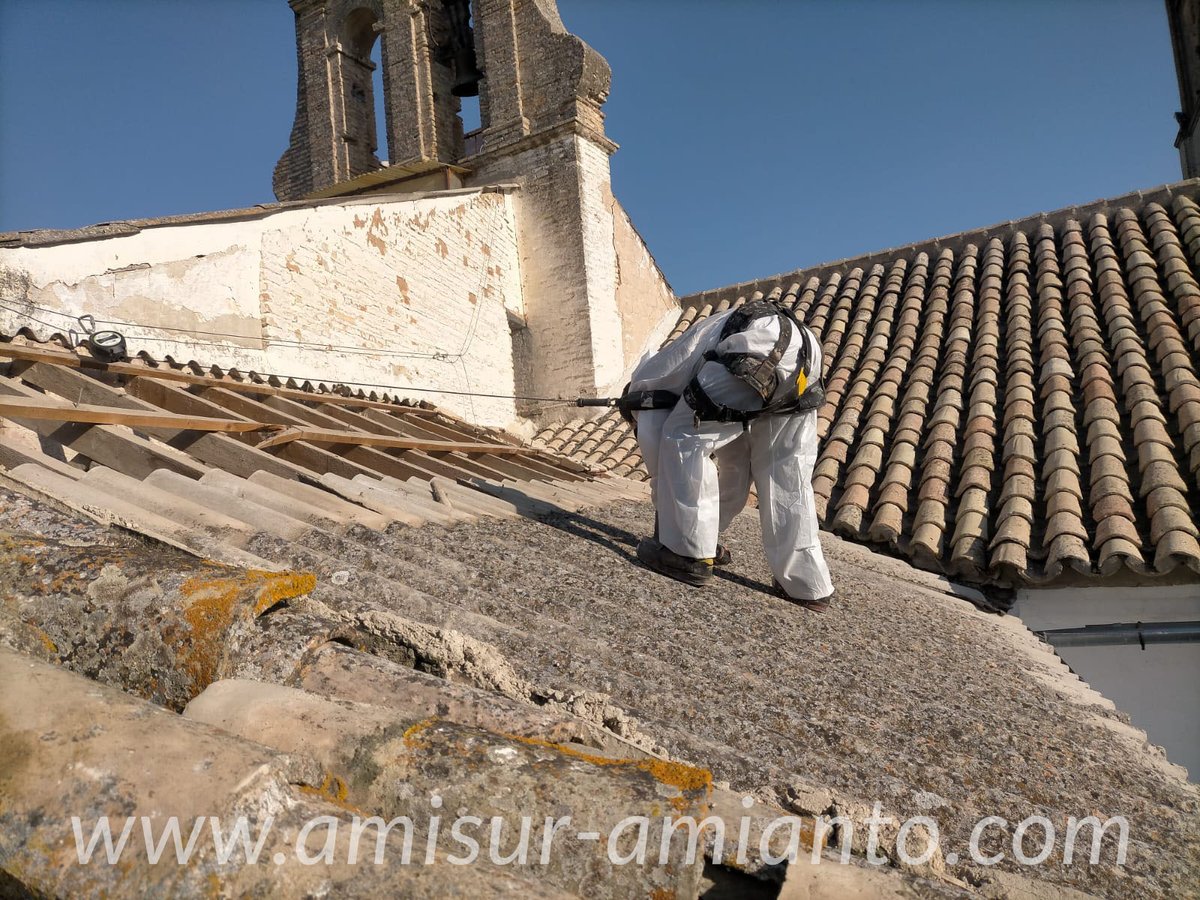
{"points": [[756, 137]]}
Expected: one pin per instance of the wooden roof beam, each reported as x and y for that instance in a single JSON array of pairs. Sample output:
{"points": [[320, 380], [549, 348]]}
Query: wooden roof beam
{"points": [[223, 451], [56, 411], [129, 453], [142, 370], [325, 436]]}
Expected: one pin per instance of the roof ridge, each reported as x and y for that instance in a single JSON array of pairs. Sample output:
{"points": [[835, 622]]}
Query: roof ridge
{"points": [[1159, 193], [44, 237]]}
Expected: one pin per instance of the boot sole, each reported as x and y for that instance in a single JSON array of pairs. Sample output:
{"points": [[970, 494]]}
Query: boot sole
{"points": [[679, 575]]}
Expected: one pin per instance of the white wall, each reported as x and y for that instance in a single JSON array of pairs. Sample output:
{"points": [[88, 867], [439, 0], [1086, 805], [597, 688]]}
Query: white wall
{"points": [[420, 288], [1159, 687], [595, 298]]}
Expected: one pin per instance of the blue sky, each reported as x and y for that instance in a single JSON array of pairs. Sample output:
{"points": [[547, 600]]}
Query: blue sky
{"points": [[756, 137]]}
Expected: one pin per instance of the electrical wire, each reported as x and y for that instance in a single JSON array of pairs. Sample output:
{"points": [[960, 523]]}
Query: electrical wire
{"points": [[289, 342], [551, 401], [452, 358]]}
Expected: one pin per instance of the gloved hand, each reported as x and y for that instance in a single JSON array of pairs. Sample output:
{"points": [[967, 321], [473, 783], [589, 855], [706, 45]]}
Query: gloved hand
{"points": [[623, 406]]}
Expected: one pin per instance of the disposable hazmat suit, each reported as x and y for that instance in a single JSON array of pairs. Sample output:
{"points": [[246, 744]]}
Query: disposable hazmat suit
{"points": [[701, 470]]}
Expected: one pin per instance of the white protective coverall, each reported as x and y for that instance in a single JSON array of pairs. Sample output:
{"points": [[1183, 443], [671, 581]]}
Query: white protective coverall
{"points": [[695, 497]]}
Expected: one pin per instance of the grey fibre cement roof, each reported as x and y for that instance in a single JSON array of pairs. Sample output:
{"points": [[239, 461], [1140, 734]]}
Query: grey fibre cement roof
{"points": [[901, 694]]}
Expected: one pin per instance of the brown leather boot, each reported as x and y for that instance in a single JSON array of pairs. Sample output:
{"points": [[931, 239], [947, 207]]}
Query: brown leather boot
{"points": [[696, 572], [819, 606]]}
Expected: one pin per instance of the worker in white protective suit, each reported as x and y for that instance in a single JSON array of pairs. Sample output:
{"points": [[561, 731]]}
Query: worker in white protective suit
{"points": [[748, 385]]}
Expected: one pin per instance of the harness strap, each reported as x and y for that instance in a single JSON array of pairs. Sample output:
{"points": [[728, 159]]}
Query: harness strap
{"points": [[759, 372], [708, 410]]}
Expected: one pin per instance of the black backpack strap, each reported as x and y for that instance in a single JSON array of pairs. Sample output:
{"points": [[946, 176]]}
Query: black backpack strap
{"points": [[708, 410], [760, 373]]}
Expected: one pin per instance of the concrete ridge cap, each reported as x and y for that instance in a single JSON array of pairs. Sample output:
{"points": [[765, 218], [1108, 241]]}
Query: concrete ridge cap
{"points": [[955, 241], [46, 237]]}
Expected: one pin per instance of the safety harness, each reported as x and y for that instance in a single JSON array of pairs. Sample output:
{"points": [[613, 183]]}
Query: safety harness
{"points": [[757, 371]]}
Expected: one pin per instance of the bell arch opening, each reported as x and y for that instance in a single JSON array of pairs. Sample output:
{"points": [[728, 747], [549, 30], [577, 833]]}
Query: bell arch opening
{"points": [[363, 123]]}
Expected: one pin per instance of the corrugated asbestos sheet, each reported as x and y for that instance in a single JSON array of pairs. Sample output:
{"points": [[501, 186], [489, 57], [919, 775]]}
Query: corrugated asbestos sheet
{"points": [[305, 458]]}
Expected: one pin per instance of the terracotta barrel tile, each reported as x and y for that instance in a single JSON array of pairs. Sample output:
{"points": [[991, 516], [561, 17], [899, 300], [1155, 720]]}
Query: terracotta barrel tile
{"points": [[886, 524], [1067, 550], [1111, 486], [974, 478], [1017, 485], [1171, 520], [1101, 426], [1103, 446], [1118, 553], [894, 494], [1158, 474], [1014, 530], [1175, 549], [1113, 506], [1062, 479]]}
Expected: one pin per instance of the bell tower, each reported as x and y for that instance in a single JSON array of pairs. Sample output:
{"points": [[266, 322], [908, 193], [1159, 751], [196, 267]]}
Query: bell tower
{"points": [[541, 89], [333, 135]]}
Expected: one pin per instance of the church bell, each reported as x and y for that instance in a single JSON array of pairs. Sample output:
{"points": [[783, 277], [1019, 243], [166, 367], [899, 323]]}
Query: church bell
{"points": [[466, 73], [462, 49]]}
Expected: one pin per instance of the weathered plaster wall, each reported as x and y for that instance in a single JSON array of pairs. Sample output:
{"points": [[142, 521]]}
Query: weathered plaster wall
{"points": [[405, 292], [596, 211], [595, 300], [632, 307], [645, 301], [553, 269]]}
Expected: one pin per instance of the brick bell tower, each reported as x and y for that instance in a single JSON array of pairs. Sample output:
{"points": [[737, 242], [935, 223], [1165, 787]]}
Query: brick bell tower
{"points": [[540, 91]]}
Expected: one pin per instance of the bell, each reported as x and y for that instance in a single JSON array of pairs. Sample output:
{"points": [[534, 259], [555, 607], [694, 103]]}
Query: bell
{"points": [[466, 73]]}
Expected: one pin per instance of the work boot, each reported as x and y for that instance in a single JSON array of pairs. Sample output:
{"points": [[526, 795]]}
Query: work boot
{"points": [[696, 572], [818, 606], [723, 557]]}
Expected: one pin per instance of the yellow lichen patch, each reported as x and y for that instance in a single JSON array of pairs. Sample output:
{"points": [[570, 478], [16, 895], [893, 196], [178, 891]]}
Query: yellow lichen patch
{"points": [[333, 789], [16, 549], [680, 775], [410, 734], [676, 775], [50, 646], [280, 586], [211, 606], [209, 612]]}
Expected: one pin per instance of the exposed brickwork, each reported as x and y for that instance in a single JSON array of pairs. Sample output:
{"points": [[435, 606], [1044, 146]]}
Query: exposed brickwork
{"points": [[593, 298], [334, 134]]}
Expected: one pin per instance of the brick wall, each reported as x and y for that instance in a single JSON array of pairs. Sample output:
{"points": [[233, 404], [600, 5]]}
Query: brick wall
{"points": [[595, 300], [419, 290], [553, 268]]}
